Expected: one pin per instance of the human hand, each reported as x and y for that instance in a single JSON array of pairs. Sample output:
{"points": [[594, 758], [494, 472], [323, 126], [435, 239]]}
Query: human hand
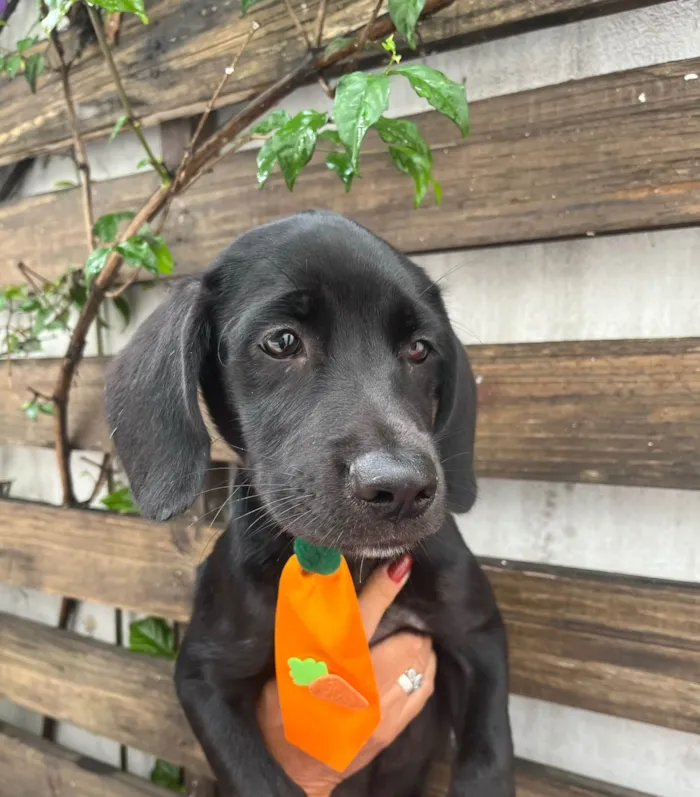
{"points": [[390, 658]]}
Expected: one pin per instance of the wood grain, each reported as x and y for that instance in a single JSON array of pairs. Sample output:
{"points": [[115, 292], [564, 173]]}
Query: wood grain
{"points": [[619, 645], [536, 780], [124, 696], [116, 560], [32, 767], [607, 412], [171, 67], [558, 161]]}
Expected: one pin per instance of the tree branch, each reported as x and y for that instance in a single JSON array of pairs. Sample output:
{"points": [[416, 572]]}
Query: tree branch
{"points": [[320, 22], [105, 469], [201, 160], [79, 150], [365, 35], [126, 103], [228, 72]]}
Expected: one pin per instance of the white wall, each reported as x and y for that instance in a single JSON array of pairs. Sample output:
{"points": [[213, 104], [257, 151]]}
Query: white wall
{"points": [[632, 286]]}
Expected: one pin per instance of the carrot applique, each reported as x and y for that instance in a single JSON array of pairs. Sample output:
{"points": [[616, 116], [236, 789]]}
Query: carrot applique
{"points": [[332, 688], [328, 694]]}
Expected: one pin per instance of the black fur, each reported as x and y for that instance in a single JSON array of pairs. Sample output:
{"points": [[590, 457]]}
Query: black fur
{"points": [[356, 304]]}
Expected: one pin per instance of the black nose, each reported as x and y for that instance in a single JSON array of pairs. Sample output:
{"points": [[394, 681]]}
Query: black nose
{"points": [[396, 486]]}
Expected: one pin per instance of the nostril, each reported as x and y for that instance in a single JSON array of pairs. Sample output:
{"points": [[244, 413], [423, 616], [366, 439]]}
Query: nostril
{"points": [[396, 486]]}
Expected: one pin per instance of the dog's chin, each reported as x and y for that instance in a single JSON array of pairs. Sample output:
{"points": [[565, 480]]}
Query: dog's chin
{"points": [[376, 542]]}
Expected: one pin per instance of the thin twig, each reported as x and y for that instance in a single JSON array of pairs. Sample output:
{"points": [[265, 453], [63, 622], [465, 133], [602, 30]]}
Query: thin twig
{"points": [[320, 22], [126, 103], [364, 36], [79, 150], [230, 69], [122, 289], [297, 24], [105, 468], [322, 82]]}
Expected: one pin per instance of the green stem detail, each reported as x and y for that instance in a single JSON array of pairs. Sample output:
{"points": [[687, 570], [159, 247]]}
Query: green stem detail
{"points": [[317, 558]]}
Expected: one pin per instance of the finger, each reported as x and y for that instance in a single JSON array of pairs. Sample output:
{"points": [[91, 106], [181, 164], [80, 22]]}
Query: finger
{"points": [[398, 653], [399, 709], [413, 704], [381, 589]]}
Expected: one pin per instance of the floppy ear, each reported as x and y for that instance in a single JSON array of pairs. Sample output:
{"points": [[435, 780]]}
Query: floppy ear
{"points": [[152, 409], [455, 427]]}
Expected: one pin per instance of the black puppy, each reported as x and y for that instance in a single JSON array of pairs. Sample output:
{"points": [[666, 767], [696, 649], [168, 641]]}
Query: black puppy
{"points": [[327, 360]]}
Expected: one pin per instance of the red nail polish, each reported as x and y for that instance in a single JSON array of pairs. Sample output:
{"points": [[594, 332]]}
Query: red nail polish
{"points": [[399, 569]]}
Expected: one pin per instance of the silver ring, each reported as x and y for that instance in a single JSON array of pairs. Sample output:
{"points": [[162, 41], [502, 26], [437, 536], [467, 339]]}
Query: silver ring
{"points": [[410, 681]]}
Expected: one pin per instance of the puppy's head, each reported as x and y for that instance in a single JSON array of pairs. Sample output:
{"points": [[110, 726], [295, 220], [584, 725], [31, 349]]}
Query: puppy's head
{"points": [[327, 361]]}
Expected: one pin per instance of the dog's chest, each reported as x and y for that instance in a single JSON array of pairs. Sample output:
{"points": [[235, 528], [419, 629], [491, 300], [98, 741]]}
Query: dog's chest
{"points": [[398, 618]]}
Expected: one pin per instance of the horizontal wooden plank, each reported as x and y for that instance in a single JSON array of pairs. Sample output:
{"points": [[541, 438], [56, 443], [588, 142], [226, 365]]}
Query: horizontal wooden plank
{"points": [[618, 645], [32, 767], [557, 161], [102, 557], [130, 698], [126, 697], [171, 67], [627, 647], [536, 780], [609, 412]]}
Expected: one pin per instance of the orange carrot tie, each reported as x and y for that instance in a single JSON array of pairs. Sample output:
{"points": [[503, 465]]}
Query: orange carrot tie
{"points": [[328, 693]]}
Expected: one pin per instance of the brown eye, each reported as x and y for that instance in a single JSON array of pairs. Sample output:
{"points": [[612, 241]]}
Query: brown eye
{"points": [[417, 351], [282, 344]]}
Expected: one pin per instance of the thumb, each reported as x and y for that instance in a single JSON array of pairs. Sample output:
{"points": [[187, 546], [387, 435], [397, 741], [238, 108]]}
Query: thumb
{"points": [[381, 589]]}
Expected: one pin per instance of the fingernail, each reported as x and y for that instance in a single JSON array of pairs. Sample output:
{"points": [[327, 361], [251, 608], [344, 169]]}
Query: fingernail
{"points": [[400, 569]]}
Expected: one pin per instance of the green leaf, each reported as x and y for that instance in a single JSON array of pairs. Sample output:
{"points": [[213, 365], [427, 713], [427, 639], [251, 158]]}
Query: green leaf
{"points": [[446, 96], [410, 153], [164, 257], [128, 6], [31, 409], [272, 122], [331, 135], [64, 184], [121, 500], [360, 99], [12, 64], [47, 408], [168, 775], [30, 305], [107, 226], [121, 303], [389, 45], [16, 291], [339, 43], [33, 67], [12, 343], [40, 319], [78, 294], [403, 133], [123, 119], [305, 671], [95, 262], [246, 4], [56, 10], [143, 163], [292, 147], [404, 14], [152, 635], [341, 164], [137, 252], [25, 44]]}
